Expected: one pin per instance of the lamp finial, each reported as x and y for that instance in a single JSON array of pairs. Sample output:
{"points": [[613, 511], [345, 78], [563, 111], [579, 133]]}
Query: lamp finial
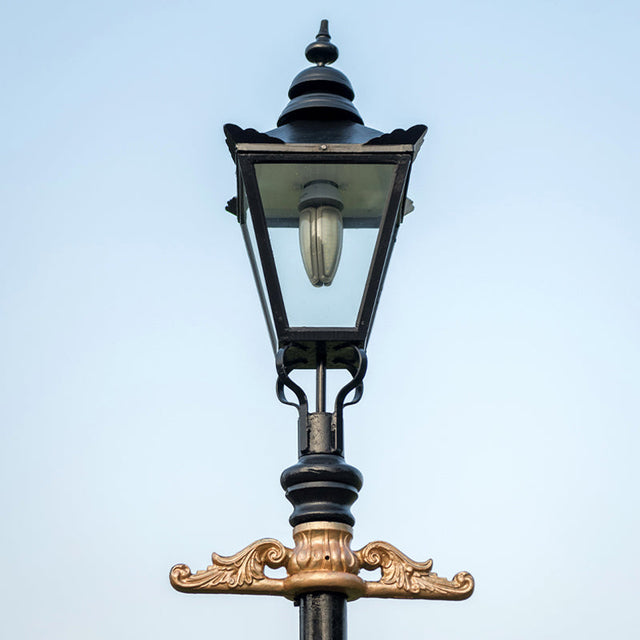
{"points": [[322, 51]]}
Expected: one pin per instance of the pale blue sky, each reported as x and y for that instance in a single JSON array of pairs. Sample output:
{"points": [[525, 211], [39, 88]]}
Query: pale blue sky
{"points": [[499, 429]]}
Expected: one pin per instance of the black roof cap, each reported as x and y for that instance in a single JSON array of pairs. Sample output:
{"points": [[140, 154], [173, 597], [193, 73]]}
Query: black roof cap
{"points": [[320, 92]]}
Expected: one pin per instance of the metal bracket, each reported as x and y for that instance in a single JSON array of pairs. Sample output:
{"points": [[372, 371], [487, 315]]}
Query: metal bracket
{"points": [[356, 383], [285, 381], [322, 560], [307, 421]]}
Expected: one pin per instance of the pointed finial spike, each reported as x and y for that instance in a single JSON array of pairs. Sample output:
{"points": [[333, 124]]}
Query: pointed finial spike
{"points": [[324, 29], [322, 51]]}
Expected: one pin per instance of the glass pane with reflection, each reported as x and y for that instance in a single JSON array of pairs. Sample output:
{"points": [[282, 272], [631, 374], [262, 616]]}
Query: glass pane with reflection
{"points": [[323, 222]]}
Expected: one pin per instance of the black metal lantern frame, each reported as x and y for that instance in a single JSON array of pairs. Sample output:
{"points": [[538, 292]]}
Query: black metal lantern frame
{"points": [[358, 335], [304, 342]]}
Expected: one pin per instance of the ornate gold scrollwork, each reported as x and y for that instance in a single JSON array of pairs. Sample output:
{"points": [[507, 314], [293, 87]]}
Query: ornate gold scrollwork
{"points": [[240, 573], [322, 559], [403, 578]]}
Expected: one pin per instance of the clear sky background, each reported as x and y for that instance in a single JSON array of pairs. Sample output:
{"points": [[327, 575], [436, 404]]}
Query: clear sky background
{"points": [[499, 429]]}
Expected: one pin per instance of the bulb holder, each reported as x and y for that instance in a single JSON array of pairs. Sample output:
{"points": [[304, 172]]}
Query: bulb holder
{"points": [[320, 193]]}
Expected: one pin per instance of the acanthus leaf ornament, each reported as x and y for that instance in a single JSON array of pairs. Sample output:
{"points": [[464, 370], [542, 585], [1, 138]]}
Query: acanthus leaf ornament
{"points": [[401, 575], [242, 572], [322, 560]]}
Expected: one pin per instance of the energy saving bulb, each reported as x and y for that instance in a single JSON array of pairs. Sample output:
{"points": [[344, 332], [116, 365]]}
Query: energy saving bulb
{"points": [[320, 231]]}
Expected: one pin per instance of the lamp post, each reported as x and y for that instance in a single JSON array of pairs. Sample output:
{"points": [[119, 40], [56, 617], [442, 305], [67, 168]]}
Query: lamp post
{"points": [[319, 201]]}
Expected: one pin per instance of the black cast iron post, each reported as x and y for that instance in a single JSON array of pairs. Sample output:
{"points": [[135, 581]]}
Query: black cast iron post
{"points": [[323, 616]]}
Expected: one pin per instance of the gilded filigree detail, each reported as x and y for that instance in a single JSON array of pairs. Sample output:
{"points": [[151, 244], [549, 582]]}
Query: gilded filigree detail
{"points": [[322, 560], [242, 572], [404, 578]]}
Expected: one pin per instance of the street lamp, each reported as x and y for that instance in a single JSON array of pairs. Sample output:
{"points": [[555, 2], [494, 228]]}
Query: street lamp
{"points": [[320, 200]]}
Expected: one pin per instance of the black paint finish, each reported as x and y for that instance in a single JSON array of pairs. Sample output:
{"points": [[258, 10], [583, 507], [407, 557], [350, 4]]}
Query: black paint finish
{"points": [[321, 487], [323, 616], [321, 92]]}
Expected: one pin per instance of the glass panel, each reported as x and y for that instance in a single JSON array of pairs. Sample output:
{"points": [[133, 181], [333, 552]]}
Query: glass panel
{"points": [[249, 236], [323, 222]]}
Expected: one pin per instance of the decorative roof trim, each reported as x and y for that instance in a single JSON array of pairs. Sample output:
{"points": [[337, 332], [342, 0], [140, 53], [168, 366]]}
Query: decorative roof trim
{"points": [[235, 135], [414, 136]]}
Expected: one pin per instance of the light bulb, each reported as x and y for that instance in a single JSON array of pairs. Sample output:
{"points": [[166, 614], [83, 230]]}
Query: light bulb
{"points": [[320, 231], [321, 243]]}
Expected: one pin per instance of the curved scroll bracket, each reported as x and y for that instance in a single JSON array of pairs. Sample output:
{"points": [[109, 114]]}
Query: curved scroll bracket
{"points": [[240, 573], [356, 366], [284, 381], [404, 578], [356, 384], [322, 560]]}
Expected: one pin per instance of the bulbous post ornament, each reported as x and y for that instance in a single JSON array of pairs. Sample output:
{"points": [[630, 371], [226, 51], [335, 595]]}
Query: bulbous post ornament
{"points": [[320, 200]]}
